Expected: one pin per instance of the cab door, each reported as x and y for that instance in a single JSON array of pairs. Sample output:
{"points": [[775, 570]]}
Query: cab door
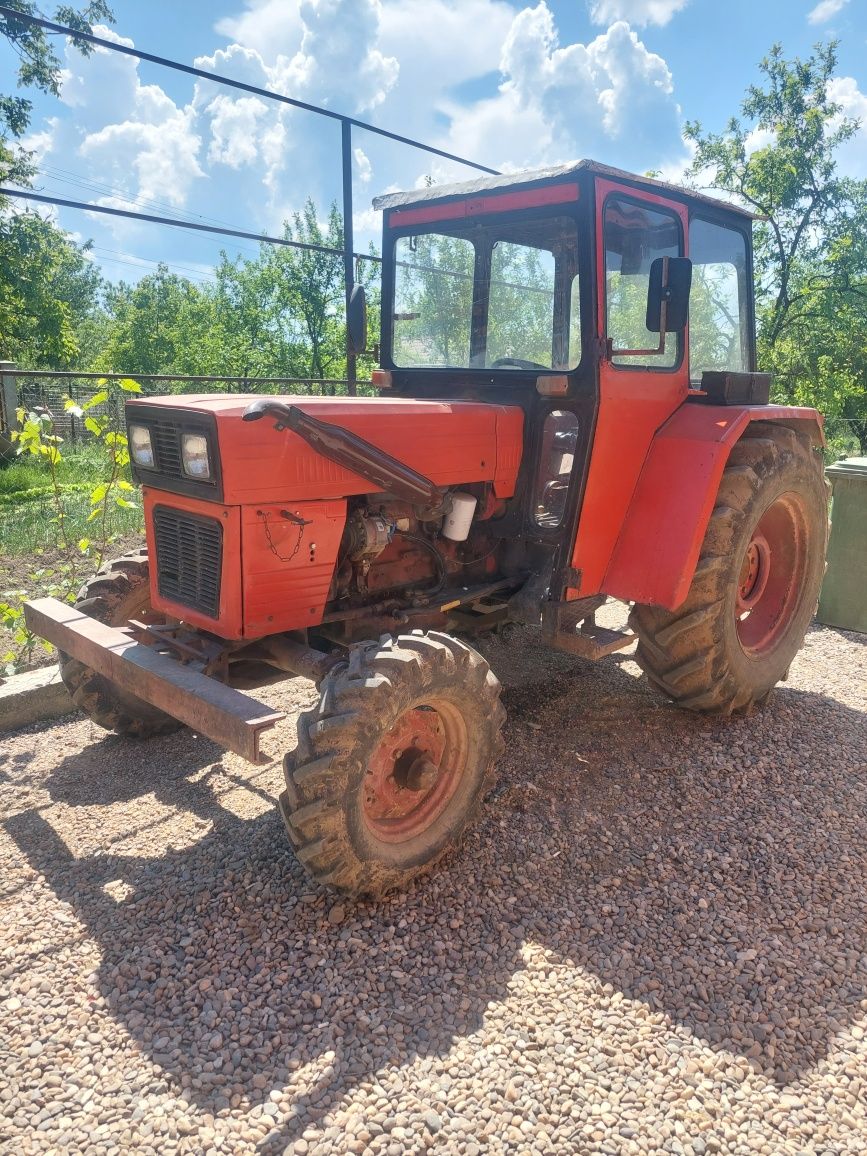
{"points": [[638, 389]]}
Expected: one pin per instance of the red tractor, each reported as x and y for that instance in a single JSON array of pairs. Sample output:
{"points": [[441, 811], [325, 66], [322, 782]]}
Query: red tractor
{"points": [[569, 410]]}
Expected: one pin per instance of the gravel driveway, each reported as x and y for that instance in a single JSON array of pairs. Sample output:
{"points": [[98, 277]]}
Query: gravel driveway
{"points": [[654, 942]]}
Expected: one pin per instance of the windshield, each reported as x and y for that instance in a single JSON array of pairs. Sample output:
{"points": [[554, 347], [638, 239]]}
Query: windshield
{"points": [[498, 296]]}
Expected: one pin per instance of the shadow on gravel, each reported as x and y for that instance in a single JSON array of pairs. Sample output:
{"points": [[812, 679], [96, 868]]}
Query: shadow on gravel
{"points": [[10, 763], [714, 871]]}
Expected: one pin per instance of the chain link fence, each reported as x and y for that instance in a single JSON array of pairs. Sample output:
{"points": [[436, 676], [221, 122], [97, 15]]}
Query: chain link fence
{"points": [[49, 390]]}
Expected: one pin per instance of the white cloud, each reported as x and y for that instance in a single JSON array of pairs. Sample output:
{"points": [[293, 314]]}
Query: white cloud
{"points": [[611, 98], [338, 64], [442, 43], [324, 52], [844, 90], [825, 10], [234, 130], [133, 135], [759, 138], [271, 27], [409, 65], [237, 61], [363, 169], [643, 12]]}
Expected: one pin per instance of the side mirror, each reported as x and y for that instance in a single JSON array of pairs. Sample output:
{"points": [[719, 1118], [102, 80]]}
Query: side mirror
{"points": [[356, 320], [668, 294]]}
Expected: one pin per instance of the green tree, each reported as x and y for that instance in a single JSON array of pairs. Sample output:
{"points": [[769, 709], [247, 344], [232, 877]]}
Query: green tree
{"points": [[49, 293], [433, 300], [278, 314], [48, 288], [152, 324], [39, 67], [810, 253], [308, 295]]}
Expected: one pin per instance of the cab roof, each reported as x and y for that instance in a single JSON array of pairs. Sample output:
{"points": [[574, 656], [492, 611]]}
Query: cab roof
{"points": [[549, 175]]}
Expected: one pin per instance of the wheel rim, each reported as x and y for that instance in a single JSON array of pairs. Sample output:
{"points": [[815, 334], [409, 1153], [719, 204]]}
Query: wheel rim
{"points": [[414, 772], [772, 575]]}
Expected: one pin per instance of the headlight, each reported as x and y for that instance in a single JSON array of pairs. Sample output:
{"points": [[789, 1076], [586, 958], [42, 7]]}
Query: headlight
{"points": [[194, 452], [140, 446]]}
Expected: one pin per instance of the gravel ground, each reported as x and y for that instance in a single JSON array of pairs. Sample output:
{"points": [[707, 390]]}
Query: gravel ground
{"points": [[654, 941]]}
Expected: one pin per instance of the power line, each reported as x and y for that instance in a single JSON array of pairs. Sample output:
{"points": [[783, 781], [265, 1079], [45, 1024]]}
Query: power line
{"points": [[144, 265], [52, 173], [67, 177], [112, 46], [27, 195]]}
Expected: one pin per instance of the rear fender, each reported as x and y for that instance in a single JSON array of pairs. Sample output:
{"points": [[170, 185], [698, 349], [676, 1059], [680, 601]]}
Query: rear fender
{"points": [[654, 559]]}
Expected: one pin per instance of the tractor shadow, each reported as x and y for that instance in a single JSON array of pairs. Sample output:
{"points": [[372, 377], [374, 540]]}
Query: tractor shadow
{"points": [[736, 910]]}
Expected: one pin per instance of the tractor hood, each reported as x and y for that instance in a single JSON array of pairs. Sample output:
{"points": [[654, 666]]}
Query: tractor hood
{"points": [[451, 442]]}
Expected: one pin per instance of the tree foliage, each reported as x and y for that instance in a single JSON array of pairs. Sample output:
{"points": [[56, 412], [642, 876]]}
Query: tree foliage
{"points": [[48, 288], [780, 159], [39, 67], [49, 293]]}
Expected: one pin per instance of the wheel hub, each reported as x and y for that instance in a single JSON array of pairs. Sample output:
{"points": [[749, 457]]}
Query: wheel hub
{"points": [[754, 572], [411, 775], [772, 575]]}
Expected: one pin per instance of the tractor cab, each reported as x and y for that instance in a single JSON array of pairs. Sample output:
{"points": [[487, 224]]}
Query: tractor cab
{"points": [[599, 303], [497, 282]]}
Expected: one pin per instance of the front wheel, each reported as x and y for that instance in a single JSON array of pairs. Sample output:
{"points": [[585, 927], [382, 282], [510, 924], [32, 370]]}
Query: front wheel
{"points": [[120, 591], [756, 584], [393, 763]]}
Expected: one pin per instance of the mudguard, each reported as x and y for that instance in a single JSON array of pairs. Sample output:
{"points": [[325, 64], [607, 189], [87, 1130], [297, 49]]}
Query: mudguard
{"points": [[654, 559]]}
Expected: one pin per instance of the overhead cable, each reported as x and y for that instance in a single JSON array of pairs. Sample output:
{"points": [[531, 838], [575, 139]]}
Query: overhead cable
{"points": [[28, 195]]}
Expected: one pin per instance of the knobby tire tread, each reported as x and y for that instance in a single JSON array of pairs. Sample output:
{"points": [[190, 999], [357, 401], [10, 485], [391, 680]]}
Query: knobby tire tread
{"points": [[685, 653]]}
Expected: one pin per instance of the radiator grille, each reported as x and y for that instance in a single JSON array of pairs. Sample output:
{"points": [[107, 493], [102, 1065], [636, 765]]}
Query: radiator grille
{"points": [[167, 447], [189, 559]]}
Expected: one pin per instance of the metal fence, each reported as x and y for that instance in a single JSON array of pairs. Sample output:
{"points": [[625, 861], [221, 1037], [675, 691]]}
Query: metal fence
{"points": [[34, 389], [347, 125]]}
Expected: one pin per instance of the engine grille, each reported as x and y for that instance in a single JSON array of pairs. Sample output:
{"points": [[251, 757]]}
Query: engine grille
{"points": [[189, 559], [167, 447]]}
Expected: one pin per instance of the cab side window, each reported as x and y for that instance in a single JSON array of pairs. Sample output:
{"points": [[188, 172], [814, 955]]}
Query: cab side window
{"points": [[635, 235], [718, 321]]}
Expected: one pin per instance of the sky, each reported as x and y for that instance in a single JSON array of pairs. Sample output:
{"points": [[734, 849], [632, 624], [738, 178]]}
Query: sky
{"points": [[510, 85]]}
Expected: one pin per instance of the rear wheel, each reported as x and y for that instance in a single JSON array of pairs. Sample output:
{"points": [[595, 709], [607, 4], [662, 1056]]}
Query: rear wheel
{"points": [[119, 592], [393, 763], [756, 584]]}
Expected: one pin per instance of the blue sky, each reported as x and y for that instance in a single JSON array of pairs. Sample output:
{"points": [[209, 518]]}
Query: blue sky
{"points": [[512, 85]]}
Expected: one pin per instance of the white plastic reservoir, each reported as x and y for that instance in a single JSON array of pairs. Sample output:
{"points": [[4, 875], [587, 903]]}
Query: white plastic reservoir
{"points": [[460, 517]]}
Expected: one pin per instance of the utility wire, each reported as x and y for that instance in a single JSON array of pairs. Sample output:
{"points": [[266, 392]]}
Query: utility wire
{"points": [[27, 195], [67, 177], [112, 46]]}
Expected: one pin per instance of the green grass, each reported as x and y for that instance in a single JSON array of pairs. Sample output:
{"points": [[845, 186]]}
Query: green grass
{"points": [[28, 514], [85, 464], [32, 526]]}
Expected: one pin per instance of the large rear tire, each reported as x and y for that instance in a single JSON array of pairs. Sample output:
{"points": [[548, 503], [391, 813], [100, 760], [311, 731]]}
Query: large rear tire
{"points": [[119, 591], [756, 584], [393, 763]]}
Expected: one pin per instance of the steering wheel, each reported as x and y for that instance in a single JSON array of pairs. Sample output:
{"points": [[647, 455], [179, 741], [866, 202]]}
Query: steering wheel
{"points": [[516, 363]]}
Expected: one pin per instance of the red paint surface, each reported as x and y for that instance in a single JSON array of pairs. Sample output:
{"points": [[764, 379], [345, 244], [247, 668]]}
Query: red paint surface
{"points": [[658, 548], [231, 618], [264, 469], [477, 206], [288, 592], [633, 404], [451, 442]]}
